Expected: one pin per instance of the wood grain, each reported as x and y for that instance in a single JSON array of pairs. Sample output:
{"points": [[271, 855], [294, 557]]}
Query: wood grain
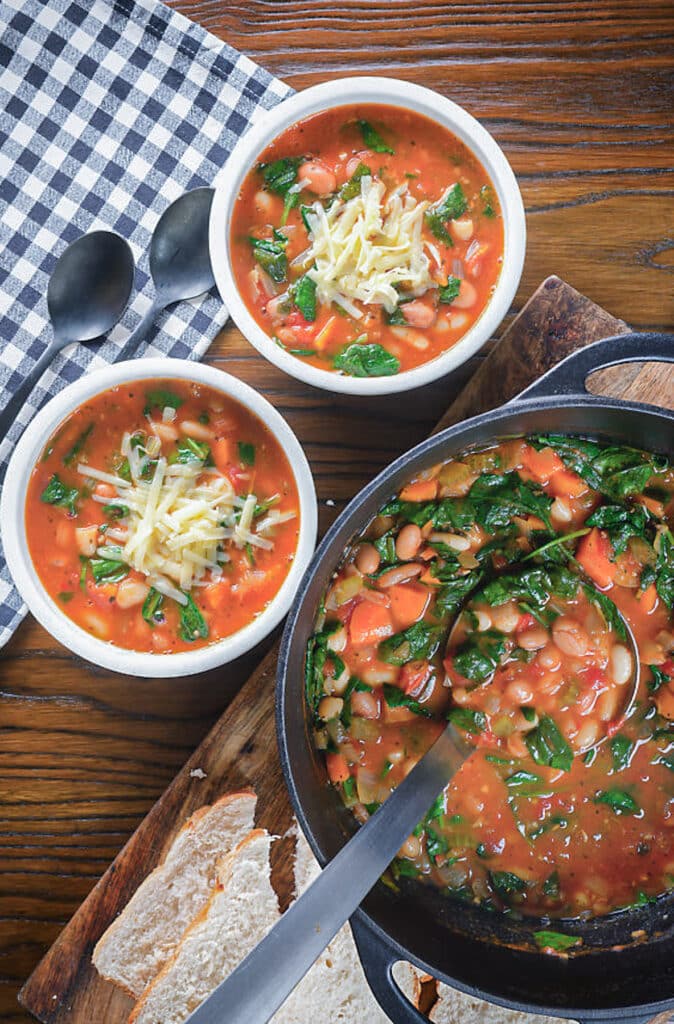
{"points": [[241, 748], [580, 97]]}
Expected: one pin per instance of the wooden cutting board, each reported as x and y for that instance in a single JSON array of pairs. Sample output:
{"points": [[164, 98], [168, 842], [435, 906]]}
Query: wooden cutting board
{"points": [[241, 749]]}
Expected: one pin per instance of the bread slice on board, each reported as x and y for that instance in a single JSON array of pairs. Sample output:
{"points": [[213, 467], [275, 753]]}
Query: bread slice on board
{"points": [[142, 939], [335, 990], [238, 915], [454, 1007]]}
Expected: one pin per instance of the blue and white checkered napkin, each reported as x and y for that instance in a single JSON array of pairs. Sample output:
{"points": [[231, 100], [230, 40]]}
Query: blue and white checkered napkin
{"points": [[109, 110]]}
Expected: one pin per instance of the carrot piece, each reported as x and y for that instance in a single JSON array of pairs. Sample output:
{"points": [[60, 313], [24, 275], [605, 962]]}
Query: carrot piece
{"points": [[419, 490], [541, 464], [413, 676], [338, 769], [567, 484], [221, 450], [369, 623], [408, 603], [654, 506], [593, 555]]}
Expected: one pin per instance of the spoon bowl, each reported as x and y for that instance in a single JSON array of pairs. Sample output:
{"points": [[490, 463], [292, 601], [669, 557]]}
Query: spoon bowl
{"points": [[180, 262], [87, 293]]}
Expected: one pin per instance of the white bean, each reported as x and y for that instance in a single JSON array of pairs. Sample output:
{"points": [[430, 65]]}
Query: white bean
{"points": [[317, 178], [199, 431], [130, 593], [621, 664], [364, 704], [419, 314], [483, 621], [462, 229], [408, 542], [533, 639], [367, 559], [86, 537], [570, 636], [165, 431], [467, 296], [505, 617], [560, 511], [452, 540], [264, 203]]}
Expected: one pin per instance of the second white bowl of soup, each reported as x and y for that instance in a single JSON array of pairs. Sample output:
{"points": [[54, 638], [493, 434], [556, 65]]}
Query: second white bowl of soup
{"points": [[369, 236]]}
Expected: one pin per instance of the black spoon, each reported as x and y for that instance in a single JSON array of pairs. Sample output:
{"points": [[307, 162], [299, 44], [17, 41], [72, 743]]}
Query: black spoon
{"points": [[180, 263], [88, 291]]}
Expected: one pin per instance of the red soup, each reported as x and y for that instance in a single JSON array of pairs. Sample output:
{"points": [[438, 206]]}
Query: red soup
{"points": [[162, 516], [367, 240]]}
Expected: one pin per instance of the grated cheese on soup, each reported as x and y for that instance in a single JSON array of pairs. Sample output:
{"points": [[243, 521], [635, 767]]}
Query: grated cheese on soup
{"points": [[363, 247], [181, 517]]}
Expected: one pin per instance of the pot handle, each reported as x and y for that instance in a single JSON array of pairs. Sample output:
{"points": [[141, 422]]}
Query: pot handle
{"points": [[568, 377], [378, 960]]}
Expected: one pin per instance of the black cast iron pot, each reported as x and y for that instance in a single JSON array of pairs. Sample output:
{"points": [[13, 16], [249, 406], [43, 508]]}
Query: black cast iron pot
{"points": [[484, 954]]}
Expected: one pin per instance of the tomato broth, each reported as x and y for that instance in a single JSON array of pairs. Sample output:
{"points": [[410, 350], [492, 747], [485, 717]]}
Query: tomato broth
{"points": [[498, 590], [162, 516], [367, 240]]}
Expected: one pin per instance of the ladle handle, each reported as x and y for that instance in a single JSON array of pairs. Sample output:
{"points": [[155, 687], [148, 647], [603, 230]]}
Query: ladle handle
{"points": [[9, 414], [265, 978], [129, 347]]}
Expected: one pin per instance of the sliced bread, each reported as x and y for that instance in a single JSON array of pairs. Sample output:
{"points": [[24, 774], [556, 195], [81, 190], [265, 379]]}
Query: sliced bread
{"points": [[335, 990], [142, 939], [454, 1007], [239, 913]]}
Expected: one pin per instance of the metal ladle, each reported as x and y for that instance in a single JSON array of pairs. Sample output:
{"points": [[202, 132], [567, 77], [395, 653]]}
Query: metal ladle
{"points": [[88, 291], [264, 979], [180, 263]]}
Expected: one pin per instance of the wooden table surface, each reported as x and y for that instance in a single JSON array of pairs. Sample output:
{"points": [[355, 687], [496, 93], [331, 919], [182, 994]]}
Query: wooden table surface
{"points": [[580, 97]]}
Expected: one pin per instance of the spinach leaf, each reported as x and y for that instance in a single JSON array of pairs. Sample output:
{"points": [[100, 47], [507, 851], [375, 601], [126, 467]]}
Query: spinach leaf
{"points": [[281, 174], [529, 585], [450, 291], [547, 745], [451, 596], [478, 658], [436, 844], [452, 205], [372, 138], [395, 698], [397, 317], [523, 780], [660, 678], [246, 453], [557, 941], [608, 609], [109, 570], [621, 750], [151, 610], [78, 446], [620, 523], [469, 720], [507, 883], [551, 885], [358, 360], [616, 471], [192, 622], [58, 493], [316, 656], [271, 255], [458, 513], [351, 188], [664, 567], [419, 512], [418, 641], [618, 800], [492, 501], [160, 398], [189, 450], [386, 547], [303, 294], [115, 511]]}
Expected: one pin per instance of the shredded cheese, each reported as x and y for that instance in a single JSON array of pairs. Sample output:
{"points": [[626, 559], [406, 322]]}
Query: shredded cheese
{"points": [[180, 520], [363, 247]]}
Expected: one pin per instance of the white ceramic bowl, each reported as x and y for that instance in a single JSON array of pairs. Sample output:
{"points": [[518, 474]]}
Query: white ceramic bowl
{"points": [[397, 93], [12, 521]]}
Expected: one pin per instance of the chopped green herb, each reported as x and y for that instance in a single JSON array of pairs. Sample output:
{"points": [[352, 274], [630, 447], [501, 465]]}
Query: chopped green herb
{"points": [[189, 450], [65, 596], [352, 187], [115, 511], [507, 883], [488, 201], [395, 698], [660, 678], [551, 885], [109, 570], [620, 523], [452, 205], [664, 568], [621, 750], [204, 418], [478, 657]]}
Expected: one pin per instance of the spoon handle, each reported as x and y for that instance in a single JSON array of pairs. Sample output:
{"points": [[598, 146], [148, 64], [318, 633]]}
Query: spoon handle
{"points": [[264, 979], [138, 334], [9, 414]]}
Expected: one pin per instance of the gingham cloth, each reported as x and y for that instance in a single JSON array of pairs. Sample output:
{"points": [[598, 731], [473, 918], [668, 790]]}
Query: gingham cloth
{"points": [[109, 110]]}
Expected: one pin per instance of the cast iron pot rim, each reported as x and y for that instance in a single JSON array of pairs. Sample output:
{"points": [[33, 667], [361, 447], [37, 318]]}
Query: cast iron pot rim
{"points": [[350, 514]]}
